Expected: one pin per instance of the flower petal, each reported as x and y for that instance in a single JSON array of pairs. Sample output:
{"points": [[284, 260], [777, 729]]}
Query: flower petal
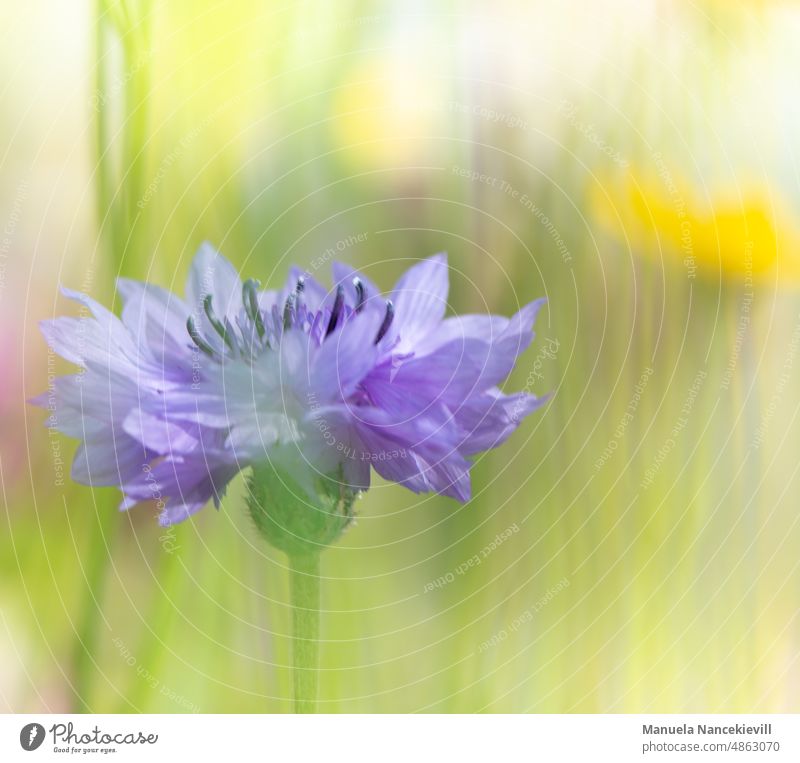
{"points": [[181, 486], [154, 314], [212, 274], [157, 434], [344, 359], [488, 420], [512, 342], [104, 461], [486, 328], [420, 300]]}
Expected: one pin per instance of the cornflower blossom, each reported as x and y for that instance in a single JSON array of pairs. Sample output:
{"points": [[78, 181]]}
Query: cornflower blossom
{"points": [[176, 396]]}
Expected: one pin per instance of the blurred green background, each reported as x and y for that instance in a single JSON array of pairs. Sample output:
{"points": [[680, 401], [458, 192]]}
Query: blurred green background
{"points": [[633, 547]]}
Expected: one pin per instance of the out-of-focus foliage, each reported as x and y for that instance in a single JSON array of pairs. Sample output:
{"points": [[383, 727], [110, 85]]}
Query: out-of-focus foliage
{"points": [[633, 548]]}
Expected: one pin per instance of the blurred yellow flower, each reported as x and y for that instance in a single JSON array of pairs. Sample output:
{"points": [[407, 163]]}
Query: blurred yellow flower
{"points": [[386, 113], [736, 232]]}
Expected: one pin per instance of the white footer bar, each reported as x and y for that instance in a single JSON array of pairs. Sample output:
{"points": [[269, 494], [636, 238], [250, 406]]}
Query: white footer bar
{"points": [[389, 738]]}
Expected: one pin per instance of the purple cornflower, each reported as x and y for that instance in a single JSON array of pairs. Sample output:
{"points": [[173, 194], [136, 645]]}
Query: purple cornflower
{"points": [[178, 395]]}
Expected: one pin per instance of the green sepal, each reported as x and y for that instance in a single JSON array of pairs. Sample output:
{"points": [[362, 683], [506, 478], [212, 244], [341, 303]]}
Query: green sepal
{"points": [[292, 520]]}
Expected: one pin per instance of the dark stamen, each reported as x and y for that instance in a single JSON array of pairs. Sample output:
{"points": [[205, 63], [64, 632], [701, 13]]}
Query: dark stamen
{"points": [[230, 331], [336, 310], [292, 302], [361, 294], [288, 309], [215, 322], [250, 299], [197, 339], [387, 321]]}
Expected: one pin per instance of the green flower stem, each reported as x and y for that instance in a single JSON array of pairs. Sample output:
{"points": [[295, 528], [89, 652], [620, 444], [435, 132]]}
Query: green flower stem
{"points": [[302, 526], [167, 579], [135, 133], [105, 523], [102, 141], [304, 585], [111, 20], [103, 529]]}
